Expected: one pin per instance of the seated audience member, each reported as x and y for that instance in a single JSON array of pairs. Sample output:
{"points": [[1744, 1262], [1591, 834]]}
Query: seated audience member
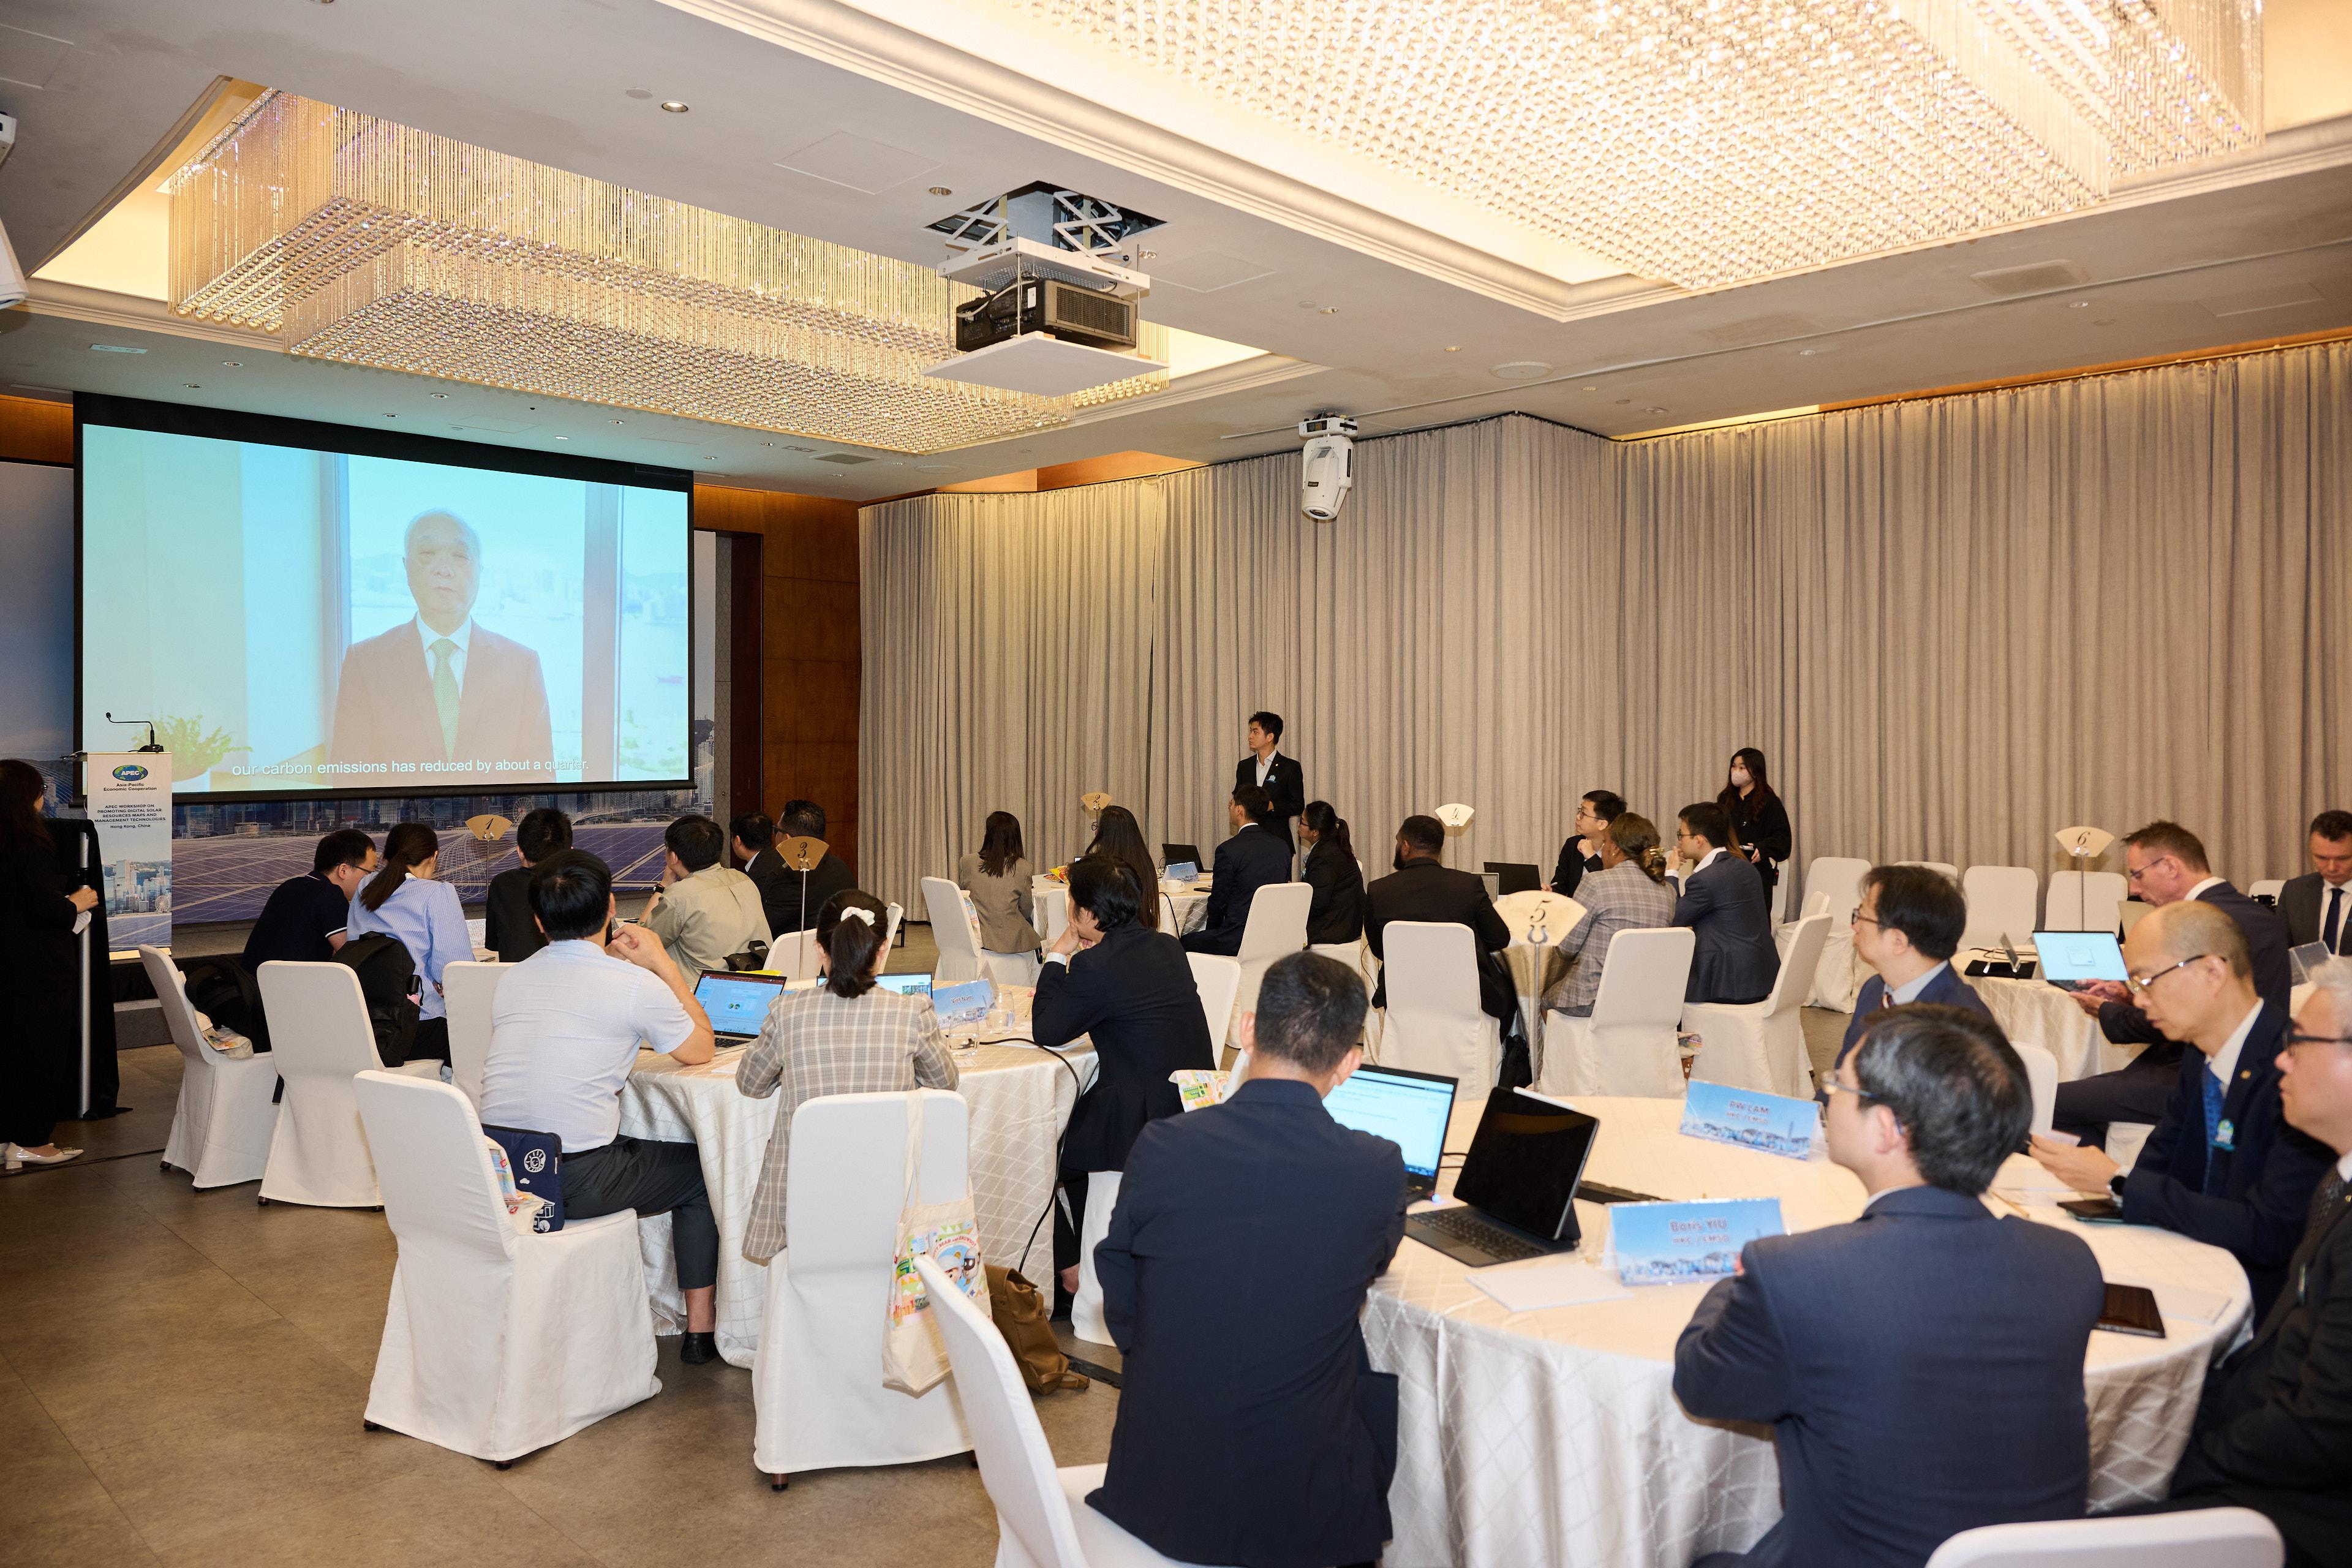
{"points": [[752, 840], [1120, 836], [805, 893], [1286, 1426], [1629, 892], [1580, 854], [846, 1036], [1251, 858], [1907, 928], [1922, 1365], [508, 929], [404, 899], [2274, 1431], [1129, 988], [303, 922], [1337, 914], [1423, 888], [2164, 864], [997, 878], [1722, 899], [564, 1032], [2222, 1166], [705, 911], [2317, 905]]}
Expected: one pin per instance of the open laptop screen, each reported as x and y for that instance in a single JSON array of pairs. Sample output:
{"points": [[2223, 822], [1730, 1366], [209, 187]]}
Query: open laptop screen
{"points": [[738, 1003], [905, 984], [1525, 1161], [1408, 1109], [2079, 956]]}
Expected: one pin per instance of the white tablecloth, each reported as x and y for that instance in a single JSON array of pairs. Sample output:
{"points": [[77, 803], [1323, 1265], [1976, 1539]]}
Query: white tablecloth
{"points": [[1180, 913], [1020, 1098], [1553, 1437], [2039, 1014]]}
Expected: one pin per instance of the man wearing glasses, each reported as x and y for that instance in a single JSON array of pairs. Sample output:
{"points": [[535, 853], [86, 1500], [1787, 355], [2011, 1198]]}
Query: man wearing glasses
{"points": [[2274, 1432], [1907, 928], [2164, 864], [2222, 1166]]}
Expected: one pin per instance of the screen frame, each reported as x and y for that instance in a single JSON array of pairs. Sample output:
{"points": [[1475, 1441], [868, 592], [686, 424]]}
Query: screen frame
{"points": [[366, 441]]}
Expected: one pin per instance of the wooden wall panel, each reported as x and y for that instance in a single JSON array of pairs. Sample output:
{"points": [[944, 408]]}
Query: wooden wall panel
{"points": [[33, 430]]}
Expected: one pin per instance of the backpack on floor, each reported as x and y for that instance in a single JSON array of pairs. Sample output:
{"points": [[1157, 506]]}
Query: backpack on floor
{"points": [[388, 980]]}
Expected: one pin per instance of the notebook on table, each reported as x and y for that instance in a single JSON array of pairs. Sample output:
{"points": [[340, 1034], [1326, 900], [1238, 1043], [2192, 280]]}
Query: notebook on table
{"points": [[1516, 1191]]}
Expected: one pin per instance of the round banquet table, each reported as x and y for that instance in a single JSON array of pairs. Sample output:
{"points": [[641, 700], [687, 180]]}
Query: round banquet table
{"points": [[1553, 1437], [1540, 920], [1183, 906], [1020, 1098]]}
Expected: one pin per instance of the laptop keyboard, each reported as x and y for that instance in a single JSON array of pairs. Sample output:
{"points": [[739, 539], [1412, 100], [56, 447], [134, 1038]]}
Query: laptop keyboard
{"points": [[1461, 1224]]}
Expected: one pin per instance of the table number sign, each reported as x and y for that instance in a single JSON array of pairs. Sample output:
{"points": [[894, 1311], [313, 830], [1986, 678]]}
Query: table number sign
{"points": [[1769, 1123], [1672, 1244]]}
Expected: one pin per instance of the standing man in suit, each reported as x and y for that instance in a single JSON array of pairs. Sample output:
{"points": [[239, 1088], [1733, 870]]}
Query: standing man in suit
{"points": [[1424, 888], [2274, 1432], [1284, 781], [1922, 1367], [439, 689], [1722, 901], [2222, 1166], [1907, 928], [1287, 1427], [2317, 905], [2164, 864], [1251, 858]]}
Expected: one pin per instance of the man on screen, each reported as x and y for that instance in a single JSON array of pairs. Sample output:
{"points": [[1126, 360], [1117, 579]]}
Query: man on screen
{"points": [[440, 691]]}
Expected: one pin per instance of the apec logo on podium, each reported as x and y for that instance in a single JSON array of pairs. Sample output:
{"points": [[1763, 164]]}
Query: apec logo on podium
{"points": [[130, 772]]}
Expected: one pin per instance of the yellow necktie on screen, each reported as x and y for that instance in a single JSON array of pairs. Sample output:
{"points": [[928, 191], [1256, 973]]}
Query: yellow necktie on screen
{"points": [[445, 694]]}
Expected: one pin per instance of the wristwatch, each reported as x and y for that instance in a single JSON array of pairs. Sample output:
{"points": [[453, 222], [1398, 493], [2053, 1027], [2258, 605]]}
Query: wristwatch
{"points": [[2115, 1185]]}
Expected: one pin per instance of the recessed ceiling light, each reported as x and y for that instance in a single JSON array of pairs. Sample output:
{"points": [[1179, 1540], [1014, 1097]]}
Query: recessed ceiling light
{"points": [[1306, 304], [2080, 305], [620, 421], [564, 438], [766, 443], [672, 106], [234, 363], [193, 386], [115, 348], [941, 190], [1653, 411], [392, 416], [1592, 389], [1624, 400], [709, 457], [639, 93], [1330, 309], [1454, 348], [440, 394], [1520, 369]]}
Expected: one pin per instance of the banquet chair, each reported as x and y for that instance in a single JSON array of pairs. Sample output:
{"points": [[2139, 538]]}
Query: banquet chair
{"points": [[2001, 902], [221, 1129], [817, 1393], [320, 1041], [1433, 1022], [795, 953], [2041, 1076], [1628, 1045], [497, 1341], [1833, 887], [1086, 1321], [1053, 907], [957, 932], [469, 990], [2267, 891], [1761, 1045], [2207, 1538], [1276, 926], [1219, 981], [2084, 900], [1041, 1517], [1951, 873]]}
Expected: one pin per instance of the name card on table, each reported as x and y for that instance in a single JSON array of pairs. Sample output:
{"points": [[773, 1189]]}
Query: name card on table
{"points": [[1183, 872], [1673, 1244], [965, 1006], [1769, 1123]]}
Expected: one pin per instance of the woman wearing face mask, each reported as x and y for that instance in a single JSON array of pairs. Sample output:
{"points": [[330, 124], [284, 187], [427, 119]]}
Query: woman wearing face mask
{"points": [[1757, 817]]}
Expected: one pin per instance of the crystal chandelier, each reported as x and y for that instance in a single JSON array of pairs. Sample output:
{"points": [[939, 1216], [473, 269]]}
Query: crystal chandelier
{"points": [[1711, 141], [375, 243]]}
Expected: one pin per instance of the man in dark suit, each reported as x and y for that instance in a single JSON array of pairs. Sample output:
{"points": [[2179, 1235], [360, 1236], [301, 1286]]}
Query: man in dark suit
{"points": [[2222, 1166], [508, 928], [1251, 858], [2274, 1432], [1272, 1448], [1424, 888], [440, 691], [1922, 1367], [1723, 902], [753, 837], [2164, 864], [2317, 905], [804, 896], [1907, 928], [1284, 781]]}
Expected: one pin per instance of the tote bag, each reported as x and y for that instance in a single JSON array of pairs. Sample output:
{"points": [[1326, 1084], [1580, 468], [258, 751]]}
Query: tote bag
{"points": [[914, 1356]]}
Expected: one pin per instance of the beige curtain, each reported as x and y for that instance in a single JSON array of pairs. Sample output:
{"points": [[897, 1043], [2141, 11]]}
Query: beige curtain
{"points": [[1953, 625]]}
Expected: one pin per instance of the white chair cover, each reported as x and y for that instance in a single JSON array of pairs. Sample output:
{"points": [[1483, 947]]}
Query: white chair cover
{"points": [[1433, 1022], [2002, 901], [2268, 888], [1951, 872], [221, 1129], [1357, 955], [898, 915], [2084, 900], [795, 953], [1277, 925], [495, 1342], [1219, 980], [816, 1378], [1086, 1307], [957, 930], [1629, 1044], [1042, 1519], [1761, 1045], [320, 1035], [1836, 883], [1053, 906], [2041, 1076], [2207, 1538], [469, 990]]}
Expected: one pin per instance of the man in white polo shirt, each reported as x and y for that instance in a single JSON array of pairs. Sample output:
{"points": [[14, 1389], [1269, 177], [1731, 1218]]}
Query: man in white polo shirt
{"points": [[564, 1033]]}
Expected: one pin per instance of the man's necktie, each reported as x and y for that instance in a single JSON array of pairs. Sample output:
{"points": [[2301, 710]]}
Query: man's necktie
{"points": [[2326, 1196], [2212, 1129], [445, 694], [2329, 933]]}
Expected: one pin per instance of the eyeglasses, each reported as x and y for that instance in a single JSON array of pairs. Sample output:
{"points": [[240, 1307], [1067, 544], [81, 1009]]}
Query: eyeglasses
{"points": [[2296, 1037], [2139, 983], [1839, 1086], [2134, 876], [1858, 918]]}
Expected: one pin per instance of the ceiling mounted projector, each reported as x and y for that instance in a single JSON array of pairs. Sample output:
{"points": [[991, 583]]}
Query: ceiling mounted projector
{"points": [[1328, 471]]}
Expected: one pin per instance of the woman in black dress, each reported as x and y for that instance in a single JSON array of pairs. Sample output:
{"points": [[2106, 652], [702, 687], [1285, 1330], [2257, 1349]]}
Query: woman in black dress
{"points": [[39, 979], [1757, 817], [1337, 912]]}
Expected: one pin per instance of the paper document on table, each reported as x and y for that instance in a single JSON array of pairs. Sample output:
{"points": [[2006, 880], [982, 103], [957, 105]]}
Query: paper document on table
{"points": [[1533, 1287]]}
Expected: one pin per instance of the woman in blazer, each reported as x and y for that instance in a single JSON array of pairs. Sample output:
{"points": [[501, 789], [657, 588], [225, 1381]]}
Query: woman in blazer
{"points": [[998, 880], [1337, 914], [1757, 817]]}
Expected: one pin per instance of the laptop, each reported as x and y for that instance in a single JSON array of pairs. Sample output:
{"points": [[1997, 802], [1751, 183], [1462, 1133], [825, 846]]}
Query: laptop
{"points": [[1511, 877], [1408, 1109], [2305, 959], [905, 984], [1176, 854], [738, 1003], [1517, 1186], [2071, 957]]}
